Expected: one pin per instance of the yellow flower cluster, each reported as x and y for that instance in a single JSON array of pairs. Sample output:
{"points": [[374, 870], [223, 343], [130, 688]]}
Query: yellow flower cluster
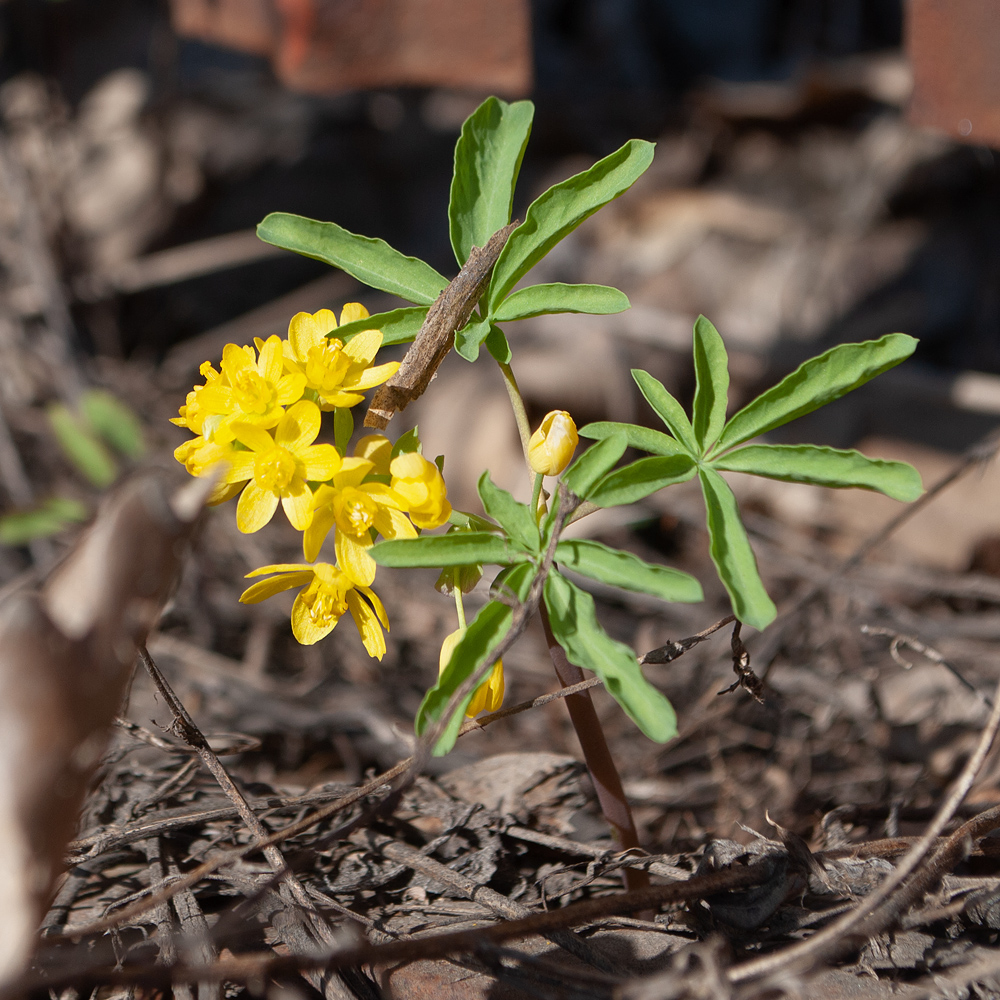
{"points": [[257, 419]]}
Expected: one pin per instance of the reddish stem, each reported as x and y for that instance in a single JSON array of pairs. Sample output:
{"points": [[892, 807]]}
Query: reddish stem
{"points": [[597, 755]]}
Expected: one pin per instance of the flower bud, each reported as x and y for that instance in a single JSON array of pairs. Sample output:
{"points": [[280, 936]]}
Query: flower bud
{"points": [[422, 488], [551, 447], [488, 697]]}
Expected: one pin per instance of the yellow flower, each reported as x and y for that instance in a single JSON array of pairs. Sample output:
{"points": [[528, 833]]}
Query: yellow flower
{"points": [[277, 468], [378, 450], [326, 595], [336, 371], [200, 457], [194, 414], [354, 507], [422, 487], [552, 445], [488, 697], [254, 389]]}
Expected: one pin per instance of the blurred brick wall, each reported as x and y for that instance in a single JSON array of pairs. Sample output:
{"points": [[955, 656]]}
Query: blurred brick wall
{"points": [[325, 46]]}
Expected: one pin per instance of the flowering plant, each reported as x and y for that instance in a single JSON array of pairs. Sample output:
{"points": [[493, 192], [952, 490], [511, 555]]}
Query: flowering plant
{"points": [[261, 414]]}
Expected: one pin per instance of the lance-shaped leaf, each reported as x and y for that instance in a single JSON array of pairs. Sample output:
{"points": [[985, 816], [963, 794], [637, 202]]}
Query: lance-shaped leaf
{"points": [[496, 344], [734, 559], [815, 383], [809, 463], [643, 438], [667, 409], [554, 214], [486, 631], [459, 549], [711, 370], [628, 571], [80, 446], [109, 417], [642, 478], [398, 326], [575, 627], [515, 518], [371, 261], [594, 464], [469, 339], [463, 519], [488, 158], [537, 300]]}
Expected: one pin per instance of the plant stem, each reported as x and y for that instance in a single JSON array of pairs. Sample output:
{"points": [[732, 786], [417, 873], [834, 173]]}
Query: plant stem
{"points": [[597, 755], [520, 413], [536, 492], [459, 606]]}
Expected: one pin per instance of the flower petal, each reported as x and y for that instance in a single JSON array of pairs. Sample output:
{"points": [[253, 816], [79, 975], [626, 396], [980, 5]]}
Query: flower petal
{"points": [[323, 520], [377, 448], [372, 376], [321, 462], [393, 524], [281, 568], [264, 589], [364, 346], [290, 388], [299, 426], [368, 626], [297, 501], [222, 492], [351, 312], [352, 472], [336, 400], [377, 604], [235, 360], [255, 509], [270, 362], [354, 560], [305, 630], [254, 437], [307, 330], [240, 466]]}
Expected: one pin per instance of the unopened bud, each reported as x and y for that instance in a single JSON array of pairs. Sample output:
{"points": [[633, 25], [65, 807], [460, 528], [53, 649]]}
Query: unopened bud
{"points": [[551, 447]]}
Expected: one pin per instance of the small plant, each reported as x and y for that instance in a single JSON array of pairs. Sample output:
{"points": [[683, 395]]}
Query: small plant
{"points": [[261, 414]]}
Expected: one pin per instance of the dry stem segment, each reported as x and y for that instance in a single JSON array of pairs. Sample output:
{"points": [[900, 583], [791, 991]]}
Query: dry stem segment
{"points": [[450, 312]]}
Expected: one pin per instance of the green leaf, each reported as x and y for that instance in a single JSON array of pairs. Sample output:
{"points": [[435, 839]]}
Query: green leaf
{"points": [[373, 262], [536, 300], [810, 463], [398, 326], [643, 438], [554, 214], [343, 428], [406, 443], [43, 521], [486, 631], [628, 571], [488, 158], [81, 447], [515, 518], [575, 626], [641, 478], [110, 418], [815, 383], [711, 370], [463, 519], [496, 344], [469, 338], [460, 549], [734, 559], [593, 465], [667, 409]]}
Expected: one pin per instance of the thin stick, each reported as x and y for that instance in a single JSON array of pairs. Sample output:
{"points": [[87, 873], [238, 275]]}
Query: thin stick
{"points": [[863, 921]]}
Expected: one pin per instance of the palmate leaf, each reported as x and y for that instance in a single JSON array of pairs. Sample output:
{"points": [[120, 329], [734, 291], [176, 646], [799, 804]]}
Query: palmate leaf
{"points": [[643, 438], [398, 326], [821, 466], [559, 210], [628, 571], [814, 384], [641, 478], [575, 627], [514, 517], [462, 548], [667, 409], [711, 370], [730, 549], [537, 300], [486, 631], [373, 262], [488, 158]]}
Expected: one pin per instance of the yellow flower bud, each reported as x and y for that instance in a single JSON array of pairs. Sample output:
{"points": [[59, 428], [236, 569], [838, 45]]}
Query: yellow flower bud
{"points": [[422, 488], [551, 447], [488, 697]]}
